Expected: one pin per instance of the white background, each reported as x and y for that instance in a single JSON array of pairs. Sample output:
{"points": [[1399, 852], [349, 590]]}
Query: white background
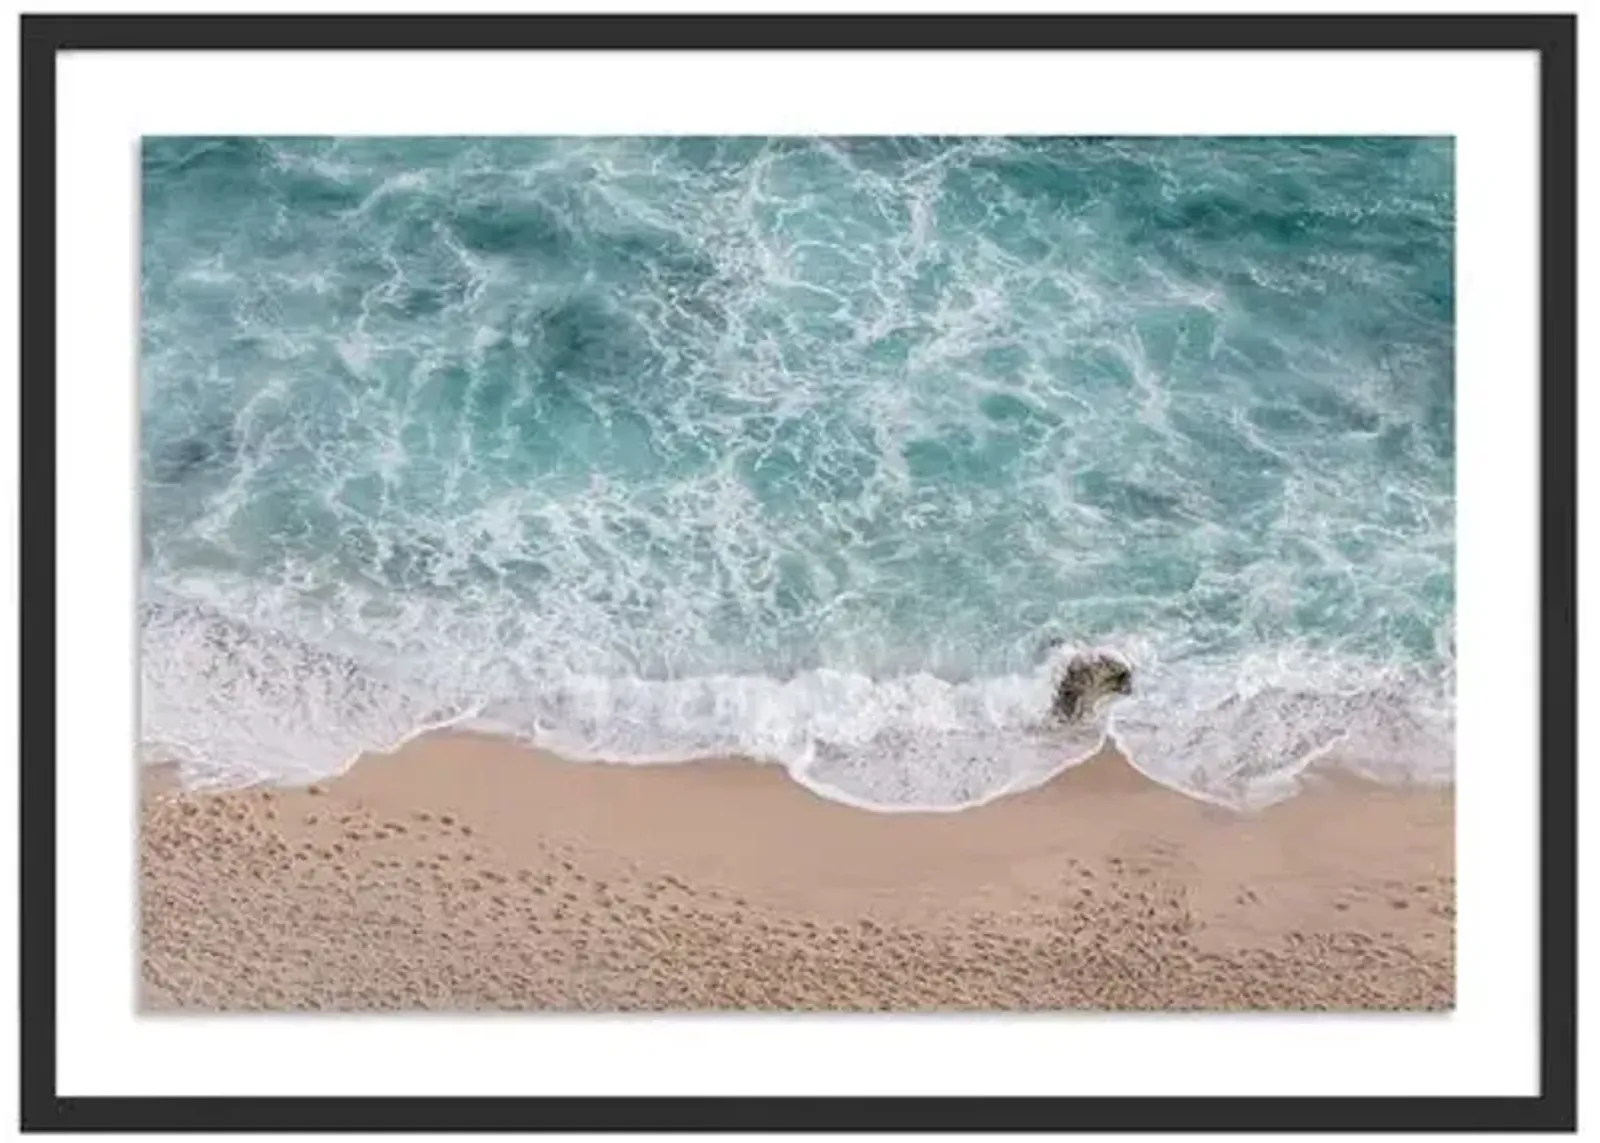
{"points": [[1485, 1047]]}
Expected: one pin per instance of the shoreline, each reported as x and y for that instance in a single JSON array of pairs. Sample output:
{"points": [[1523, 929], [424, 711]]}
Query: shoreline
{"points": [[466, 871]]}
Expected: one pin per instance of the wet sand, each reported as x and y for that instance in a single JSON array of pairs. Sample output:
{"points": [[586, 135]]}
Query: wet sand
{"points": [[465, 872]]}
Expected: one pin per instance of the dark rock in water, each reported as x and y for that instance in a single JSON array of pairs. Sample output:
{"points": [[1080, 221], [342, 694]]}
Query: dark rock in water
{"points": [[1085, 679]]}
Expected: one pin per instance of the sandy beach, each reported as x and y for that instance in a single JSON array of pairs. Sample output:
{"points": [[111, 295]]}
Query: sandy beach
{"points": [[465, 872]]}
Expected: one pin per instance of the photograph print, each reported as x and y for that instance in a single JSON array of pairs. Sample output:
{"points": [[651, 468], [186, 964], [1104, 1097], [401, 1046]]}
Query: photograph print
{"points": [[798, 573]]}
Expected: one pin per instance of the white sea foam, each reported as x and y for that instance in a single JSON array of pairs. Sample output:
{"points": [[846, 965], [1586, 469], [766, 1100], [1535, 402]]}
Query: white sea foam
{"points": [[237, 706]]}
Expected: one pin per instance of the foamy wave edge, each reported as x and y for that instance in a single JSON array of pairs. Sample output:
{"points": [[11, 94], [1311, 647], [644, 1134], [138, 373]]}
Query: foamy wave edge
{"points": [[233, 706]]}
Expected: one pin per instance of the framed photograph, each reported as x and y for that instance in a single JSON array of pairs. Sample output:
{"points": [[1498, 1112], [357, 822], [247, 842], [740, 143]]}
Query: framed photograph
{"points": [[798, 572]]}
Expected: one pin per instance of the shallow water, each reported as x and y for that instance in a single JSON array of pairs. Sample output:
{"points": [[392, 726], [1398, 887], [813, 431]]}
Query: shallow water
{"points": [[801, 449]]}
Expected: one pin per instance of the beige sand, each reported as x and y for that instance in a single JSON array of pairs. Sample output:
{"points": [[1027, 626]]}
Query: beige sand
{"points": [[464, 872]]}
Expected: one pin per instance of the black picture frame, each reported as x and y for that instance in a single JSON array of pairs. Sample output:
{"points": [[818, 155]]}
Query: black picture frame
{"points": [[1553, 37]]}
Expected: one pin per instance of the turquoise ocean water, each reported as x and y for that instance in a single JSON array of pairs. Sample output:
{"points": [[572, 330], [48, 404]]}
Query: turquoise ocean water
{"points": [[801, 449]]}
